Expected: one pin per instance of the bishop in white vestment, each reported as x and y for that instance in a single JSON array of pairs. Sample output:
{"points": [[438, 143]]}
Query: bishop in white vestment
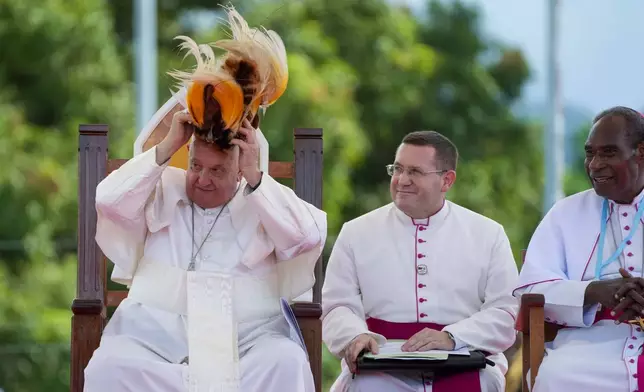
{"points": [[574, 259], [208, 252], [421, 265]]}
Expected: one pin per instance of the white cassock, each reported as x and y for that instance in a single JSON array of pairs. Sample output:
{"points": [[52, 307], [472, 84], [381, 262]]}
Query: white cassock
{"points": [[455, 269], [591, 353], [218, 327]]}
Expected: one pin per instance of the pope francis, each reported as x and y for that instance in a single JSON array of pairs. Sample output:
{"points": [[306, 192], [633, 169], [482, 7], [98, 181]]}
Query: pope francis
{"points": [[207, 251]]}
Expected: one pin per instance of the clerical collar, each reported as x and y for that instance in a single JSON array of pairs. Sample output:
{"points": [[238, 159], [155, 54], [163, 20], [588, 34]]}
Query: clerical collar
{"points": [[437, 218], [210, 211], [633, 203]]}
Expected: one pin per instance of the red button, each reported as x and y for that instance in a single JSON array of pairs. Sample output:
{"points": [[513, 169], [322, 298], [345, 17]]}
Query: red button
{"points": [[630, 268], [630, 346], [420, 240], [420, 255], [630, 254], [423, 315], [627, 228], [638, 329], [422, 228], [625, 214], [628, 242], [420, 285], [632, 361], [423, 300], [633, 337], [635, 375]]}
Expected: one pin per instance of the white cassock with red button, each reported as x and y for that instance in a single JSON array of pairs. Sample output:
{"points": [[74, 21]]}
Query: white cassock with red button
{"points": [[455, 269], [560, 263]]}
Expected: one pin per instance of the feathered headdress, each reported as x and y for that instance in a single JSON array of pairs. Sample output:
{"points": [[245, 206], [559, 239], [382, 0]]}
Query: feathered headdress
{"points": [[222, 92]]}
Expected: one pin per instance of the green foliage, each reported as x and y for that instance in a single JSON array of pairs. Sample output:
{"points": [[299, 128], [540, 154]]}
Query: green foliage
{"points": [[330, 369], [34, 333], [576, 178], [59, 66]]}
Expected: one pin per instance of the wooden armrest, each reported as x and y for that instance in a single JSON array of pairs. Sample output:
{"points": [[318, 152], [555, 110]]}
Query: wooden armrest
{"points": [[307, 309], [529, 304], [87, 326], [533, 335], [308, 317]]}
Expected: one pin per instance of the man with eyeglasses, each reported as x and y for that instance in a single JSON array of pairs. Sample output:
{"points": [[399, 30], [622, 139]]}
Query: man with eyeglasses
{"points": [[424, 270], [587, 258]]}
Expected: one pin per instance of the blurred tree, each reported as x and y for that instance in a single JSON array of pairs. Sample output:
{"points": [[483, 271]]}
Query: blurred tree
{"points": [[501, 170], [58, 67], [576, 179], [34, 333]]}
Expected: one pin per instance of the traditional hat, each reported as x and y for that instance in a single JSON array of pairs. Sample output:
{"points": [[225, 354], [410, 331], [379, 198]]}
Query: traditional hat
{"points": [[221, 92]]}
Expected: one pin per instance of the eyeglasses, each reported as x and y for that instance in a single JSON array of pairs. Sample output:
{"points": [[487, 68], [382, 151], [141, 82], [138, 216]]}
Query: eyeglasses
{"points": [[396, 170]]}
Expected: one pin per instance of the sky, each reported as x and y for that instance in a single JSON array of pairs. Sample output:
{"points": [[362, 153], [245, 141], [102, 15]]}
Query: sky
{"points": [[601, 47]]}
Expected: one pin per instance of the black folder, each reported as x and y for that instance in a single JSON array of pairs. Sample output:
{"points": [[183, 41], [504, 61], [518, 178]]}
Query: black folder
{"points": [[454, 364]]}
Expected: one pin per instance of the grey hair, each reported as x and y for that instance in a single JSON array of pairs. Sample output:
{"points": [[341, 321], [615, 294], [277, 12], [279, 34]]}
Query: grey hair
{"points": [[634, 121]]}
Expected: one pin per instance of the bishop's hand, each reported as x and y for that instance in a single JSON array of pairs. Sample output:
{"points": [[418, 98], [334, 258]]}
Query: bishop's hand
{"points": [[357, 345], [605, 292], [629, 298], [248, 154], [429, 339]]}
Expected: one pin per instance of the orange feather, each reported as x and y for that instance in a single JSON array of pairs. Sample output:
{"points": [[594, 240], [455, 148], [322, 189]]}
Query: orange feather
{"points": [[231, 99], [228, 95], [196, 104], [222, 91]]}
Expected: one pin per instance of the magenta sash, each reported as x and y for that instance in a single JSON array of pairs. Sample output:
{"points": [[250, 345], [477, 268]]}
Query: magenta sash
{"points": [[462, 382]]}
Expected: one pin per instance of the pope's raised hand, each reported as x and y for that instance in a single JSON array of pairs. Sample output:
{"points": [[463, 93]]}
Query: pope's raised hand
{"points": [[248, 154], [180, 132]]}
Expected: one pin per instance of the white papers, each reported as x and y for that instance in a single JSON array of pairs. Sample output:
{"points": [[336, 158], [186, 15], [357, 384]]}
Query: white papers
{"points": [[393, 350], [296, 333]]}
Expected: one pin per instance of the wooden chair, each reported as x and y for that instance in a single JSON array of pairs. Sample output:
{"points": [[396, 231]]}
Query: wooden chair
{"points": [[93, 298], [535, 333]]}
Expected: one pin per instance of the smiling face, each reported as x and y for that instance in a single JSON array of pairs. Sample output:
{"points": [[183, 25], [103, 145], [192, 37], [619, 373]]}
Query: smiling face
{"points": [[416, 188], [613, 160], [213, 174]]}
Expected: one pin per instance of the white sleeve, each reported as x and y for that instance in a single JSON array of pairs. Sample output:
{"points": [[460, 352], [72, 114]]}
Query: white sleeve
{"points": [[343, 316], [492, 328], [545, 272], [120, 205], [293, 225]]}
